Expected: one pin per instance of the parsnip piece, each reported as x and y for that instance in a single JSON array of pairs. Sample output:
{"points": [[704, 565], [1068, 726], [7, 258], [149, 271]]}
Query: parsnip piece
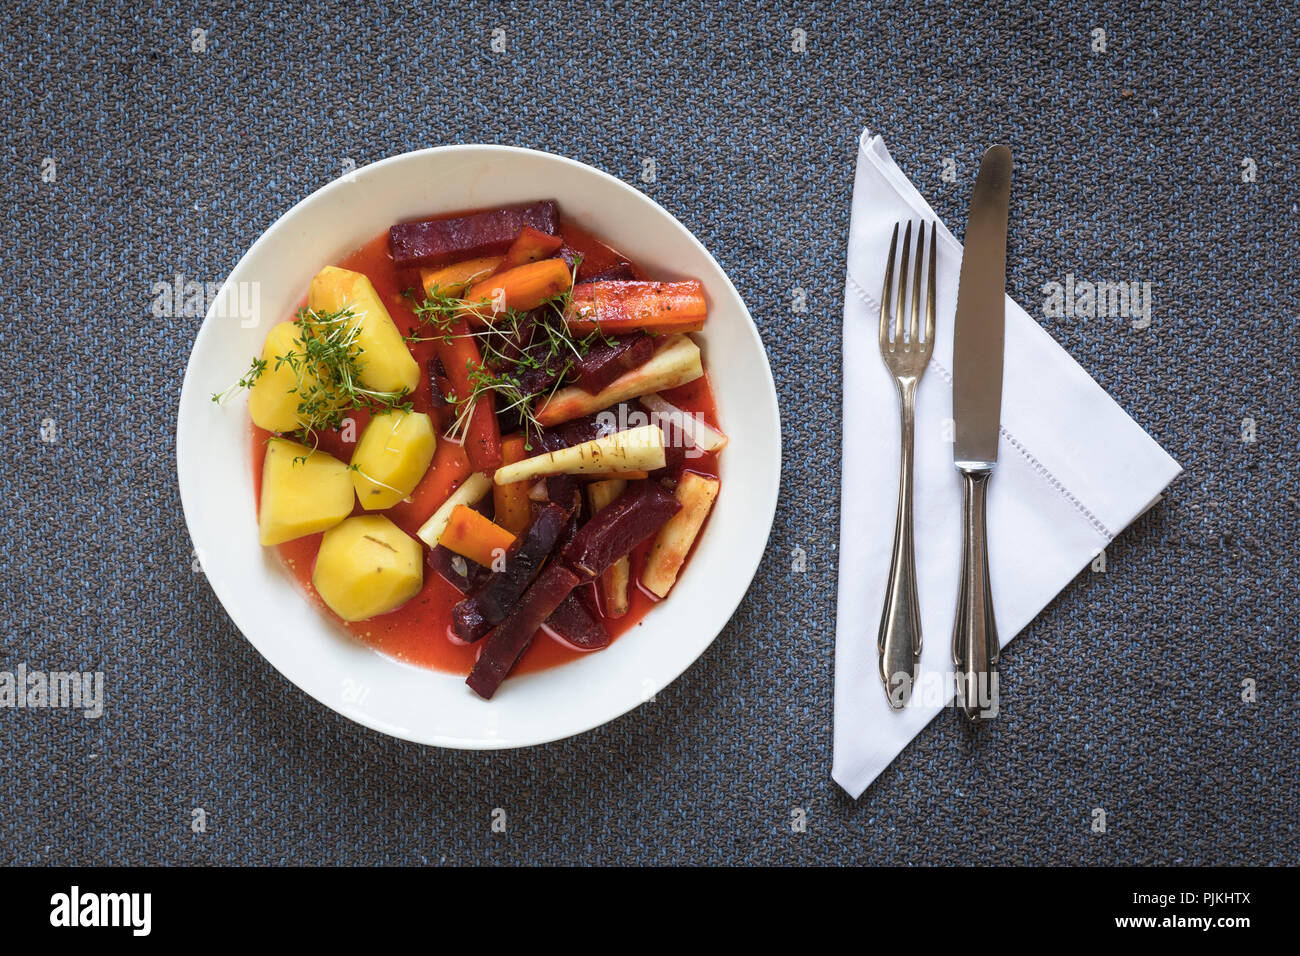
{"points": [[601, 493], [696, 494], [471, 491], [367, 566], [614, 585], [614, 582], [386, 363], [676, 362], [636, 449], [698, 432]]}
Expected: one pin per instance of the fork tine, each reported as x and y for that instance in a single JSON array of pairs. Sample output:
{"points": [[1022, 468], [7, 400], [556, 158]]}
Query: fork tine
{"points": [[915, 329], [929, 297], [885, 293], [901, 306]]}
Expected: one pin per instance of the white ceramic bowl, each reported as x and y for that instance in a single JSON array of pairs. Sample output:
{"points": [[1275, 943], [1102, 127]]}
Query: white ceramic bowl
{"points": [[215, 466]]}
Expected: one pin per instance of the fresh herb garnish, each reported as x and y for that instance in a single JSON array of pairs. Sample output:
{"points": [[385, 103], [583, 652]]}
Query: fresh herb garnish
{"points": [[505, 369], [328, 368]]}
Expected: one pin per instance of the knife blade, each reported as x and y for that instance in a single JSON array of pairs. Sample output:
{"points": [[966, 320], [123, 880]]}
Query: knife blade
{"points": [[976, 410], [978, 330]]}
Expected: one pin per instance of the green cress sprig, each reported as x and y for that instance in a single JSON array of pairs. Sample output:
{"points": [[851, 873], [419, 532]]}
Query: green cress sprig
{"points": [[499, 374], [328, 367]]}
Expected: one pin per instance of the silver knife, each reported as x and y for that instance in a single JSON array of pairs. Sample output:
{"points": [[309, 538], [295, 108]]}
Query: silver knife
{"points": [[976, 412]]}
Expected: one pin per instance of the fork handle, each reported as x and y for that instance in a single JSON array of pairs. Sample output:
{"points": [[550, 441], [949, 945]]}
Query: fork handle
{"points": [[899, 640], [975, 633]]}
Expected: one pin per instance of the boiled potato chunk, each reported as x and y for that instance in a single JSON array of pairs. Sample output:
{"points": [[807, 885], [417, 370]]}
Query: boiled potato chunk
{"points": [[367, 566], [274, 396], [301, 497], [386, 363], [392, 456]]}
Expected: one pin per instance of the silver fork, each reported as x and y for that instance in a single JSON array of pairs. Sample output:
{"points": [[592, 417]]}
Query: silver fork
{"points": [[906, 354]]}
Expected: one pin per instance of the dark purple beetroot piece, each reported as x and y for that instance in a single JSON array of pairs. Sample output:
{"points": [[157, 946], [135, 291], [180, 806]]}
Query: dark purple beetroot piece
{"points": [[512, 636], [493, 598], [521, 337], [541, 370], [597, 263], [620, 526], [563, 490], [575, 623], [674, 451], [460, 573], [607, 360], [575, 432], [509, 419], [570, 530], [439, 241], [439, 385], [619, 272]]}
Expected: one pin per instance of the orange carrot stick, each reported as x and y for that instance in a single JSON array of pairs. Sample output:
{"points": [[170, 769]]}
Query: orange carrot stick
{"points": [[453, 279], [511, 501], [521, 288], [619, 307], [471, 535], [460, 356], [530, 245]]}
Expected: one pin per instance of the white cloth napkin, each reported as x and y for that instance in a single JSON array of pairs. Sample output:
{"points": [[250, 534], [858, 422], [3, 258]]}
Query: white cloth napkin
{"points": [[1074, 470]]}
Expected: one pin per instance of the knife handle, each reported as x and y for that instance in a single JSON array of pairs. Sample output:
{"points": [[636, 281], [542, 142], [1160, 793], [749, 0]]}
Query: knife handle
{"points": [[975, 633], [899, 639]]}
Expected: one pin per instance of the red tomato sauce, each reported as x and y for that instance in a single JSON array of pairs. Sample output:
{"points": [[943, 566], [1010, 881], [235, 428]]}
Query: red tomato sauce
{"points": [[417, 632]]}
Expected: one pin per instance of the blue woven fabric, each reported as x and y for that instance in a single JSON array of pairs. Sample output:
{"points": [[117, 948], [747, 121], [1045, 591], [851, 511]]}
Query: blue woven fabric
{"points": [[170, 161]]}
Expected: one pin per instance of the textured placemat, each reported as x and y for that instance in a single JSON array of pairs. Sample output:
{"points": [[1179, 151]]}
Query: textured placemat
{"points": [[148, 147]]}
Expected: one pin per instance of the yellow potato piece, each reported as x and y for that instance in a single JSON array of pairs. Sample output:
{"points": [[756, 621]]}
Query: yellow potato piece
{"points": [[274, 396], [367, 566], [301, 497], [392, 456], [386, 363]]}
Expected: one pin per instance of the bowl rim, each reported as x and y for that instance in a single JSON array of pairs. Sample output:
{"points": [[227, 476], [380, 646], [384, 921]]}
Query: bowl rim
{"points": [[221, 588]]}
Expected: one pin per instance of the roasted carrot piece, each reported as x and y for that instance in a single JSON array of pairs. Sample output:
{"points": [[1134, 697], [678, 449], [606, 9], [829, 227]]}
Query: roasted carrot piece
{"points": [[450, 467], [473, 536], [530, 245], [455, 278], [460, 356], [521, 288], [511, 500], [620, 307]]}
